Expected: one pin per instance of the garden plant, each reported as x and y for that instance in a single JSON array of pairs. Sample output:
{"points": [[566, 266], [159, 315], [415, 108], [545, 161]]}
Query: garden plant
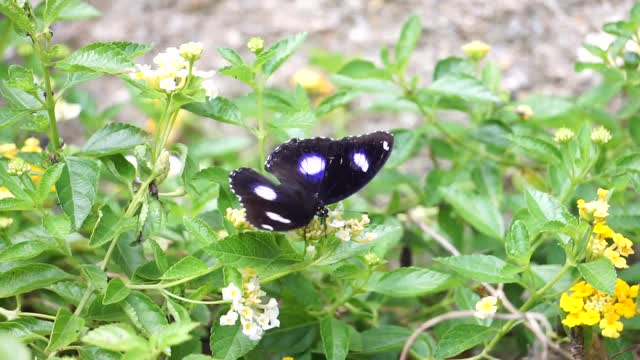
{"points": [[499, 227]]}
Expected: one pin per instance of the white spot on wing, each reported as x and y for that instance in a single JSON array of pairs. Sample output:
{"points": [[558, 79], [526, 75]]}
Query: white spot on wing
{"points": [[265, 192], [277, 217], [268, 227], [312, 165], [385, 145], [361, 161]]}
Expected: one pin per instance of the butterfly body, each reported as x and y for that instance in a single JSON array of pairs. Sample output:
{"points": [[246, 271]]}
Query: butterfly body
{"points": [[313, 173]]}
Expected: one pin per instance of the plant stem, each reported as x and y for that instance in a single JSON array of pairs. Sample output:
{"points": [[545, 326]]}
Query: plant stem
{"points": [[54, 136], [203, 302], [261, 133], [158, 134], [526, 306]]}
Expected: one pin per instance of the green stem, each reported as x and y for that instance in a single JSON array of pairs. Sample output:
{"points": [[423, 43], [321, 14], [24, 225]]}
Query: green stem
{"points": [[54, 136], [161, 286], [533, 300], [203, 302], [159, 133], [261, 133]]}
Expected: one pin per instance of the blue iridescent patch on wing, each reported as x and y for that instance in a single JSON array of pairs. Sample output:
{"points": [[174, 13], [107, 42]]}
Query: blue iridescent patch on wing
{"points": [[312, 166]]}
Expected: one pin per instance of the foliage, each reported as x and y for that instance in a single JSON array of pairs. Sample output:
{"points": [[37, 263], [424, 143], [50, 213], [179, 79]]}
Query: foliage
{"points": [[488, 237]]}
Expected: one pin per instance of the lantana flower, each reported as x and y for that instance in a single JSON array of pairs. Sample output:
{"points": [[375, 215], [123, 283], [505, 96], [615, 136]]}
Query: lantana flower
{"points": [[585, 305], [334, 224], [238, 218], [246, 304], [486, 307]]}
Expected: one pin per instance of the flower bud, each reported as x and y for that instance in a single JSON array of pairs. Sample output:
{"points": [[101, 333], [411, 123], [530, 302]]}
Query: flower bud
{"points": [[631, 60], [18, 167], [476, 50], [161, 167], [525, 112], [255, 45], [191, 51], [5, 222], [600, 135], [563, 135], [371, 258]]}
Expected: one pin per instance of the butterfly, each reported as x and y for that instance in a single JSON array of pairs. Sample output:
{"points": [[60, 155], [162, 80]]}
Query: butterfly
{"points": [[313, 173]]}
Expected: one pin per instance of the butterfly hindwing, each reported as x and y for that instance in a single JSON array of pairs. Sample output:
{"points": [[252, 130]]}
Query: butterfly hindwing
{"points": [[332, 169], [270, 206]]}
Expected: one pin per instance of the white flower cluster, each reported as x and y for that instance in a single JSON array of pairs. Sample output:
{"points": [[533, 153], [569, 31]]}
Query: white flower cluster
{"points": [[173, 69], [345, 230], [255, 316]]}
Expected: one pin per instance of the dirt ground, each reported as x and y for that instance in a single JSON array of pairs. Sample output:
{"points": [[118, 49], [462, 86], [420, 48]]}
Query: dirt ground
{"points": [[535, 42]]}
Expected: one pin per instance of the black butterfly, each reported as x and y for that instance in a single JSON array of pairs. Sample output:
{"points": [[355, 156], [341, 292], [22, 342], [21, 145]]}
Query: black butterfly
{"points": [[313, 173]]}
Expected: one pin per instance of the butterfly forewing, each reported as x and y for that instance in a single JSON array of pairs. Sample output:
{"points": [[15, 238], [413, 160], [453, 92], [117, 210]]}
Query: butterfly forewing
{"points": [[331, 169], [269, 206]]}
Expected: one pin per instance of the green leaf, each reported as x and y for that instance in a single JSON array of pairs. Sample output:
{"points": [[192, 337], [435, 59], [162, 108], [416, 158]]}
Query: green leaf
{"points": [[545, 208], [144, 313], [280, 52], [405, 143], [452, 65], [384, 338], [188, 266], [199, 230], [173, 334], [24, 250], [484, 268], [265, 251], [48, 180], [228, 342], [410, 282], [77, 10], [407, 42], [72, 79], [17, 15], [95, 353], [297, 120], [462, 337], [240, 72], [104, 58], [600, 274], [96, 276], [115, 337], [66, 329], [10, 116], [335, 338], [463, 86], [517, 245], [52, 10], [120, 167], [18, 99], [20, 78], [116, 291], [333, 102], [58, 226], [25, 278], [230, 55], [114, 138], [537, 148], [14, 184], [78, 187], [477, 210], [14, 349], [130, 49], [219, 109]]}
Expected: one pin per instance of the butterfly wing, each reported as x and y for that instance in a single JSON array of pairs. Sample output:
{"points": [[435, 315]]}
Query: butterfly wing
{"points": [[269, 206], [333, 169]]}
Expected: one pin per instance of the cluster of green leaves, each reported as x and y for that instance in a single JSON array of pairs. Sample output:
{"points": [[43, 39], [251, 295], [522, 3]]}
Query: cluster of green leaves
{"points": [[110, 260]]}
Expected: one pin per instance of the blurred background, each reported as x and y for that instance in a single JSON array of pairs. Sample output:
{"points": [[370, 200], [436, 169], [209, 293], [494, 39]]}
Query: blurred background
{"points": [[534, 42]]}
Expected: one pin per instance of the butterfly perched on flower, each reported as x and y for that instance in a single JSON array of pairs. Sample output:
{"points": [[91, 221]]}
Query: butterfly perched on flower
{"points": [[313, 173]]}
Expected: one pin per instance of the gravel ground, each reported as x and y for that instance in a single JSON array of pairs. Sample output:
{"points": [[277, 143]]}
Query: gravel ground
{"points": [[535, 42]]}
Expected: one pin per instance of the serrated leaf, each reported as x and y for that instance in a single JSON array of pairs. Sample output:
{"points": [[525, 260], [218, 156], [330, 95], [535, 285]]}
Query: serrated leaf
{"points": [[298, 120], [335, 338], [77, 188], [58, 226], [281, 51], [405, 143], [544, 207], [477, 210], [21, 78], [17, 15], [25, 278], [47, 182], [188, 266], [240, 72], [517, 245], [260, 250], [462, 86], [9, 116], [407, 42], [230, 55], [462, 337], [538, 148], [52, 10], [199, 230], [144, 313], [66, 329], [601, 274], [228, 342], [173, 334], [484, 268], [77, 10], [24, 250], [115, 337], [104, 58], [116, 291], [410, 282], [130, 49], [219, 109], [333, 102], [96, 276], [114, 138]]}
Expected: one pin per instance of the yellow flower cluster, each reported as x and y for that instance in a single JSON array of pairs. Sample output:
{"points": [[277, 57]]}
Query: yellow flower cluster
{"points": [[10, 151], [620, 247], [588, 306], [345, 230], [238, 218], [312, 81]]}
